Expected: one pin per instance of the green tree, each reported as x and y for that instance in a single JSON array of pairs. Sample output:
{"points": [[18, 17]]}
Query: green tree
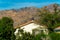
{"points": [[50, 20], [6, 29]]}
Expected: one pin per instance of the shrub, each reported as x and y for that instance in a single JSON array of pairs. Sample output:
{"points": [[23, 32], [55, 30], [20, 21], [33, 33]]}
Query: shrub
{"points": [[55, 36], [6, 29]]}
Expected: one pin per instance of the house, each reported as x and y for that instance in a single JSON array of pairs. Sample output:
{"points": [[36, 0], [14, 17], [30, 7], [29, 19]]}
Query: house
{"points": [[57, 30], [41, 29], [31, 25]]}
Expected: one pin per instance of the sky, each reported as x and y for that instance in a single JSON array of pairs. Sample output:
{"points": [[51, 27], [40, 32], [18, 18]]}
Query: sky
{"points": [[16, 4]]}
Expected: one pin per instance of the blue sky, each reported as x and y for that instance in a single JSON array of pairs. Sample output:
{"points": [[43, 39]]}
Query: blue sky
{"points": [[16, 4]]}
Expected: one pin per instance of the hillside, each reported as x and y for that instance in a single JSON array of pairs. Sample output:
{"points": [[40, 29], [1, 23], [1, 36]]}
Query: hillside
{"points": [[26, 14]]}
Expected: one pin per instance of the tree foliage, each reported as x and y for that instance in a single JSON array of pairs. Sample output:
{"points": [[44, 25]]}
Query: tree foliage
{"points": [[55, 36], [51, 20], [24, 35], [6, 29], [28, 36]]}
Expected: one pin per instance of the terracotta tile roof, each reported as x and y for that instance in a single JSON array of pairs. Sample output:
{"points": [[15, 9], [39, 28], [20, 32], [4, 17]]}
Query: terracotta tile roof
{"points": [[58, 27], [21, 25]]}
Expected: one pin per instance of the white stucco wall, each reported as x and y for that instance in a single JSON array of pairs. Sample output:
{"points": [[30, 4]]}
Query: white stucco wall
{"points": [[28, 28]]}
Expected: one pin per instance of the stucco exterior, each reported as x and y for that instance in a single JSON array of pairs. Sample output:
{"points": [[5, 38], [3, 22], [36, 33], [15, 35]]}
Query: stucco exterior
{"points": [[30, 27]]}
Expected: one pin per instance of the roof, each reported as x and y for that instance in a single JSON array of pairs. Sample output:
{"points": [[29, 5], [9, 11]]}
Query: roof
{"points": [[58, 27], [21, 25]]}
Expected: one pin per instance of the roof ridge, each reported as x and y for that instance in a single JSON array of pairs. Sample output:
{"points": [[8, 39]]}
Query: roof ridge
{"points": [[31, 21]]}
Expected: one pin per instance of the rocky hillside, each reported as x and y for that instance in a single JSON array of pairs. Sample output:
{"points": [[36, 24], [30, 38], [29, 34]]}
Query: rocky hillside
{"points": [[20, 16], [24, 15]]}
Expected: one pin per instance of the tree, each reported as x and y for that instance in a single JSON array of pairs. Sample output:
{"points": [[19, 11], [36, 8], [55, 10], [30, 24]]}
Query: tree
{"points": [[6, 29], [50, 20]]}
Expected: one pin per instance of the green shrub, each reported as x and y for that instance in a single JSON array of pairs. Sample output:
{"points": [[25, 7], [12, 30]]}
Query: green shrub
{"points": [[55, 36], [25, 36], [6, 29], [28, 36]]}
